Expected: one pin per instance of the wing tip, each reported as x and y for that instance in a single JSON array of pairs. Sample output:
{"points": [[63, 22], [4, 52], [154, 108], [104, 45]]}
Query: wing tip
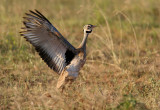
{"points": [[21, 34], [36, 10], [31, 11]]}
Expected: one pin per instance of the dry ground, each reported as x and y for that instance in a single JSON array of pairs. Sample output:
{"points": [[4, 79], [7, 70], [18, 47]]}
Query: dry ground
{"points": [[122, 71]]}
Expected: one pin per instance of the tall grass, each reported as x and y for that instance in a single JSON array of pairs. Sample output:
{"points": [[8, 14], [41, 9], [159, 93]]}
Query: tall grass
{"points": [[122, 71]]}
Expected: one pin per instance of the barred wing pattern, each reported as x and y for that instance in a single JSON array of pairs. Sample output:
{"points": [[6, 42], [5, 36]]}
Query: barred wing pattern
{"points": [[53, 48]]}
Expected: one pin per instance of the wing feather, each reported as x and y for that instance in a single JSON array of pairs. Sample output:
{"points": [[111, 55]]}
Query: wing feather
{"points": [[47, 40]]}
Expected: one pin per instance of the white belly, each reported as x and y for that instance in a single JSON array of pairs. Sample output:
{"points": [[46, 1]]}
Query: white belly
{"points": [[72, 70], [74, 67]]}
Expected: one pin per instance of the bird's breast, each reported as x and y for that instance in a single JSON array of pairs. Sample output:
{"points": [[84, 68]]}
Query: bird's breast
{"points": [[77, 62]]}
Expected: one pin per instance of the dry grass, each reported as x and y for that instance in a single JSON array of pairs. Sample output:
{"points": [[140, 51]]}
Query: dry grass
{"points": [[122, 71]]}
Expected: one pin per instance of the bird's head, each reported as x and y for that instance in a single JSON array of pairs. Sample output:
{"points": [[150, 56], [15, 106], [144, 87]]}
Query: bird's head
{"points": [[88, 28]]}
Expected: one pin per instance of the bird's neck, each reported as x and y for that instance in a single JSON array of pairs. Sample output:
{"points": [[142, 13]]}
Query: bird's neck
{"points": [[84, 41]]}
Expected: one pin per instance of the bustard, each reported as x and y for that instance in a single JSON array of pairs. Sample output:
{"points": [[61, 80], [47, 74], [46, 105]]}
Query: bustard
{"points": [[53, 48]]}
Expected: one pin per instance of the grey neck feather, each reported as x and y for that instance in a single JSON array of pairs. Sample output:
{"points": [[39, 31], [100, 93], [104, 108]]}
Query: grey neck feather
{"points": [[84, 41]]}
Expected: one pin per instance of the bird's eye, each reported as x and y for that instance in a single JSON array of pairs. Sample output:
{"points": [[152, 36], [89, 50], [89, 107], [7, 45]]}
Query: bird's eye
{"points": [[89, 27]]}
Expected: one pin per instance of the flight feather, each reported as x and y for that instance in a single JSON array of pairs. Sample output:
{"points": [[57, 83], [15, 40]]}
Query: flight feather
{"points": [[53, 48]]}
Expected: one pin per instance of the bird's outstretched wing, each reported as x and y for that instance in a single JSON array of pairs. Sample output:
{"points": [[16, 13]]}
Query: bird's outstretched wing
{"points": [[53, 48]]}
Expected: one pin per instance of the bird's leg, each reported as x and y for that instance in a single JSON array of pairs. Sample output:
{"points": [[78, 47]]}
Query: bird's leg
{"points": [[62, 79]]}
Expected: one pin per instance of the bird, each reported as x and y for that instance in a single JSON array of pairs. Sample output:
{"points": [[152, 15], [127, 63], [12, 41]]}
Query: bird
{"points": [[53, 48]]}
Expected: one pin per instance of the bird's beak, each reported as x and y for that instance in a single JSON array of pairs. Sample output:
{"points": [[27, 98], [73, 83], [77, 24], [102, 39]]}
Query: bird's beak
{"points": [[93, 26]]}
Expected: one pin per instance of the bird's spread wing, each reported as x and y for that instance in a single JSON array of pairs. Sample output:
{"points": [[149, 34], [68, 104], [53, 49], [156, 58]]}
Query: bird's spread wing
{"points": [[53, 48]]}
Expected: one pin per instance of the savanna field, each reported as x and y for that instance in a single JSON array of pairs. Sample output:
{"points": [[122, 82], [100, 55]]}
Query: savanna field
{"points": [[122, 71]]}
